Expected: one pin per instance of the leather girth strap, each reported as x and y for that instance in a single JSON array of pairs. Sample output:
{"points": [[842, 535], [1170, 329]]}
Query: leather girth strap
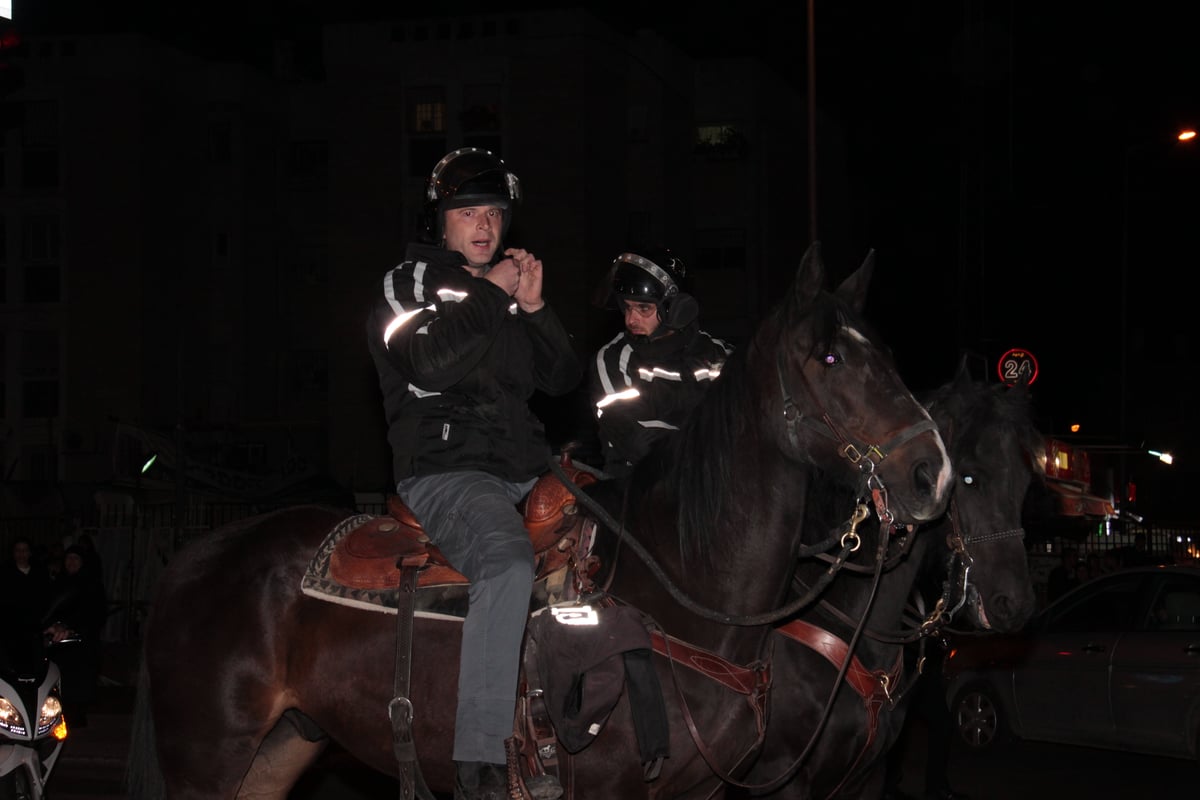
{"points": [[753, 682], [874, 687], [400, 710]]}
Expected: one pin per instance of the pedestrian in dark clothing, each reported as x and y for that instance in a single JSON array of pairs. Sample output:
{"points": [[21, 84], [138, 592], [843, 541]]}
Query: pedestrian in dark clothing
{"points": [[24, 597], [77, 614], [929, 707]]}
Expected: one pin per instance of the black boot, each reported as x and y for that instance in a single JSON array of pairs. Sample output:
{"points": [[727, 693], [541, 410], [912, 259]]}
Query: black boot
{"points": [[479, 780]]}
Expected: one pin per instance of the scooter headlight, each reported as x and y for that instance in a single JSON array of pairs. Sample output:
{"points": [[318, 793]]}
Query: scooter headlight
{"points": [[50, 713], [10, 719]]}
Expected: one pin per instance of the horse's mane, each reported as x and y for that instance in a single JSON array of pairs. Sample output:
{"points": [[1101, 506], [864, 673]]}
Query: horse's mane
{"points": [[699, 463], [962, 407]]}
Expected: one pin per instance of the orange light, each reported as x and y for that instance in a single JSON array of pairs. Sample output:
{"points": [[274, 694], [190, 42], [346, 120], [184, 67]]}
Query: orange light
{"points": [[1075, 427], [60, 730], [1187, 136]]}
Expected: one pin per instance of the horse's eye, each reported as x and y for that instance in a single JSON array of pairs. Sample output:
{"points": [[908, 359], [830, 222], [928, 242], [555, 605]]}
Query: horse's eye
{"points": [[832, 359], [969, 480]]}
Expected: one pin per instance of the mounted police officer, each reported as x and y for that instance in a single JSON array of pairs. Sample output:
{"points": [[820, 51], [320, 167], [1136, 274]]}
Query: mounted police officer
{"points": [[649, 377], [461, 338]]}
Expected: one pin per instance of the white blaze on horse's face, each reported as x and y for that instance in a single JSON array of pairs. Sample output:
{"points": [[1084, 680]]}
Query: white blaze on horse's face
{"points": [[943, 482], [857, 335], [946, 475]]}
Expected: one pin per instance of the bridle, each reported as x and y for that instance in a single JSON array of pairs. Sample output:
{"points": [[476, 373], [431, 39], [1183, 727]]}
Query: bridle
{"points": [[957, 588], [865, 456], [960, 564]]}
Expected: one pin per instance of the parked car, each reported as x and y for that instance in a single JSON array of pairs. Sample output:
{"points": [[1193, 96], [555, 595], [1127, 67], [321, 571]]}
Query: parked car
{"points": [[1115, 663]]}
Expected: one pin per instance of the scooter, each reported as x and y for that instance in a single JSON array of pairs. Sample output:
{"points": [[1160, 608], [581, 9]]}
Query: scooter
{"points": [[32, 727]]}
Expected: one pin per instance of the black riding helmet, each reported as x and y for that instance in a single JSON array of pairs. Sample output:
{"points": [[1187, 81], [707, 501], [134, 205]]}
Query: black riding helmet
{"points": [[468, 176], [651, 275]]}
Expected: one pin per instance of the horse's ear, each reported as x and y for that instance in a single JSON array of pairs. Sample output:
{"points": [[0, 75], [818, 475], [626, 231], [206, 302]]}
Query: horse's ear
{"points": [[810, 277], [963, 376], [854, 289], [1018, 393]]}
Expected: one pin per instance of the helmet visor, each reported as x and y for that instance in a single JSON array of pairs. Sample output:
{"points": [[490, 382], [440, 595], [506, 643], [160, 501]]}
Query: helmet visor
{"points": [[633, 277], [471, 173]]}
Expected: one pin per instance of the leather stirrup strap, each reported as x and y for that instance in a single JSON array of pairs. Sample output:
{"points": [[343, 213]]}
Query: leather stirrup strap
{"points": [[400, 710]]}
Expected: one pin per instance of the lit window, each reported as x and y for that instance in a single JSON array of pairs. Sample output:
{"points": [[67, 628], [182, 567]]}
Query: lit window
{"points": [[427, 109], [720, 140]]}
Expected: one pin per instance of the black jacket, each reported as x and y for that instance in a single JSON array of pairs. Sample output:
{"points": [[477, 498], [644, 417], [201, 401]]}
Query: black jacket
{"points": [[670, 374], [24, 598], [80, 602], [458, 363]]}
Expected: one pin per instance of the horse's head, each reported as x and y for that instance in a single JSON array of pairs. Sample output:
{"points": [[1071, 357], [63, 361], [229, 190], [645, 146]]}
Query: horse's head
{"points": [[996, 451], [838, 401]]}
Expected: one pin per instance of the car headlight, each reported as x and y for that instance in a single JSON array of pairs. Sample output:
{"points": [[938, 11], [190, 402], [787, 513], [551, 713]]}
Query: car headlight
{"points": [[10, 719], [49, 714]]}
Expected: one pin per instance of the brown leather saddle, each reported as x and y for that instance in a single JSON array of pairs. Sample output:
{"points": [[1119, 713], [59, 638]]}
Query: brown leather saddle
{"points": [[369, 556]]}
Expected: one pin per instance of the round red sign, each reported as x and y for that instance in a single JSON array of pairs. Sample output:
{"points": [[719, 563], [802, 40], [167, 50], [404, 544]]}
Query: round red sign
{"points": [[1017, 366]]}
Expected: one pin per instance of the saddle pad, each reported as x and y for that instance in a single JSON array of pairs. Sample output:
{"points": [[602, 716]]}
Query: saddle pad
{"points": [[448, 600], [441, 592]]}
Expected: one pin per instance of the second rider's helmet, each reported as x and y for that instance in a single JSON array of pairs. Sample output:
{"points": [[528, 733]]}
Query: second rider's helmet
{"points": [[651, 275], [468, 176]]}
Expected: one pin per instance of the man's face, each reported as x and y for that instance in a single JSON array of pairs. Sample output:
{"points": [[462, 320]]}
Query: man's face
{"points": [[474, 231], [641, 319]]}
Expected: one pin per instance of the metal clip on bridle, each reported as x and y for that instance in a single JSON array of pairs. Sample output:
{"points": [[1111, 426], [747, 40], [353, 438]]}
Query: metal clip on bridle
{"points": [[879, 495], [932, 624], [850, 538]]}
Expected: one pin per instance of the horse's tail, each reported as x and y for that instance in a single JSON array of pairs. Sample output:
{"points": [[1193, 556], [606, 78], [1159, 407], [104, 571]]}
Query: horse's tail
{"points": [[142, 774]]}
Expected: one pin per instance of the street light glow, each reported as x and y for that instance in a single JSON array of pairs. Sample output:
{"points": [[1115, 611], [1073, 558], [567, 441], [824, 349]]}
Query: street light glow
{"points": [[1166, 458], [1187, 136]]}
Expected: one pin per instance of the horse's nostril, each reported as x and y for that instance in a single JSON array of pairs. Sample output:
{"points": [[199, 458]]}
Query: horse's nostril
{"points": [[925, 479]]}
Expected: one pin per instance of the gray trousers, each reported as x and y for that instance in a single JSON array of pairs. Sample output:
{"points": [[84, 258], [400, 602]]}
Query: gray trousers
{"points": [[473, 520]]}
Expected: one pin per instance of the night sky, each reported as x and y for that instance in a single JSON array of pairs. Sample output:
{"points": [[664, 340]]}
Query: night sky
{"points": [[988, 144], [1002, 155]]}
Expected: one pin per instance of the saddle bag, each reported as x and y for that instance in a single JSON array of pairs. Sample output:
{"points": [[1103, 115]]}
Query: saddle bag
{"points": [[585, 668]]}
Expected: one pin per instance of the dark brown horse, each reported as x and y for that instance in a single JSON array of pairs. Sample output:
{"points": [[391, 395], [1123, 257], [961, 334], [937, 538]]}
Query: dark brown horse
{"points": [[970, 564], [247, 678]]}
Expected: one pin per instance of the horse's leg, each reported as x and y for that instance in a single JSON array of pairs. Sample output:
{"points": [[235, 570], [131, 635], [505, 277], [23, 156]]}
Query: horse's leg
{"points": [[282, 758], [209, 727], [217, 667]]}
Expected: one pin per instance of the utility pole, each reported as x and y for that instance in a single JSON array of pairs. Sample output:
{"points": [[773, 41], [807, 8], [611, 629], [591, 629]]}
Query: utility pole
{"points": [[812, 123]]}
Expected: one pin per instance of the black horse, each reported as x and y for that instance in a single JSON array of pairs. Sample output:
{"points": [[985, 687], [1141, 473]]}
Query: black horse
{"points": [[843, 669], [247, 678]]}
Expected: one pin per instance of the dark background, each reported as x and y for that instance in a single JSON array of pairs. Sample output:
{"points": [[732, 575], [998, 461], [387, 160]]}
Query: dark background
{"points": [[1013, 151]]}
